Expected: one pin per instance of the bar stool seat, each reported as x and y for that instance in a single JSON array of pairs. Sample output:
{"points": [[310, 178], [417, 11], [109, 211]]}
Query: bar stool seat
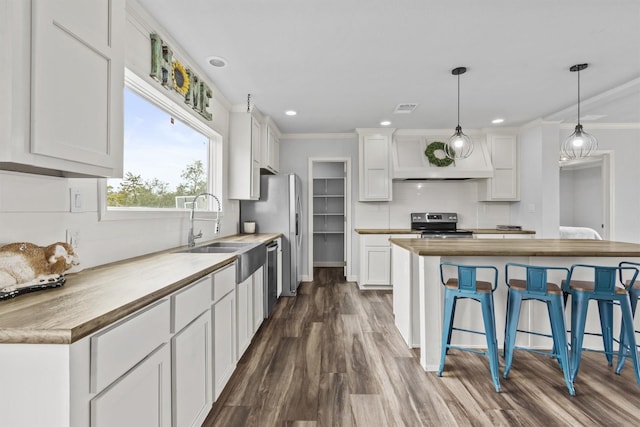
{"points": [[536, 287], [465, 286], [605, 290]]}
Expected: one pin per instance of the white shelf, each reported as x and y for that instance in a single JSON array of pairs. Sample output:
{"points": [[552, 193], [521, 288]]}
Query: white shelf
{"points": [[329, 213], [329, 195]]}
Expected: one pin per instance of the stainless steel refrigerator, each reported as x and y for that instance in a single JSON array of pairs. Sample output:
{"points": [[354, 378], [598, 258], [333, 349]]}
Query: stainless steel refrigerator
{"points": [[279, 210]]}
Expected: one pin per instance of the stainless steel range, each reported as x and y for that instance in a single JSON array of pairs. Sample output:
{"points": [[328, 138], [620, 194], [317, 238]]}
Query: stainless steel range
{"points": [[438, 225]]}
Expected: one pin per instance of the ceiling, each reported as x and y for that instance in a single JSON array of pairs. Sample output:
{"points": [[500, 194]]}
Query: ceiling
{"points": [[346, 64]]}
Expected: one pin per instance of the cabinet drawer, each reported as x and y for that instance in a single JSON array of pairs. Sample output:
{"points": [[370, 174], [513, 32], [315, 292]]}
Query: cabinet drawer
{"points": [[224, 281], [189, 303], [120, 347], [377, 240]]}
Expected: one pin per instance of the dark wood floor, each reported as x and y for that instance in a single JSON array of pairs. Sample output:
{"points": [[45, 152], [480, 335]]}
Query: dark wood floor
{"points": [[332, 357]]}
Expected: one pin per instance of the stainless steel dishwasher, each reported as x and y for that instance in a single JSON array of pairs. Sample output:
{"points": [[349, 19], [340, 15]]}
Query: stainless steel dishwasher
{"points": [[271, 278]]}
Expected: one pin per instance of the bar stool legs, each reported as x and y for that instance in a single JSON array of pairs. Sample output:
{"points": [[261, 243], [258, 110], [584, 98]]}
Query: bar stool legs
{"points": [[536, 288], [603, 289], [465, 286]]}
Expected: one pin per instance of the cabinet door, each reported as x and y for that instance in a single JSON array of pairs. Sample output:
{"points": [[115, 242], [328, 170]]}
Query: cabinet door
{"points": [[140, 398], [192, 393], [504, 184], [258, 299], [377, 265], [224, 341], [77, 73], [255, 159], [244, 310], [375, 168]]}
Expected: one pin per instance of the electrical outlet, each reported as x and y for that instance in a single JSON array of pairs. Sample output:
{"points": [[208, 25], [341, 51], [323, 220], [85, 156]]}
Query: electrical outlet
{"points": [[73, 238]]}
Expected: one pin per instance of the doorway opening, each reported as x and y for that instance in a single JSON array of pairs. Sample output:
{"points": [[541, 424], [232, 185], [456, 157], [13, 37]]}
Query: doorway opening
{"points": [[330, 213], [586, 193]]}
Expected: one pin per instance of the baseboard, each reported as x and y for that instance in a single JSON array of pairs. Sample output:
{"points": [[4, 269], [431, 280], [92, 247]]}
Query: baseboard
{"points": [[329, 264]]}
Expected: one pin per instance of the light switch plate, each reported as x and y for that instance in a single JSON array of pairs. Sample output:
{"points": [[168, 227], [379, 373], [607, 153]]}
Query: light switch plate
{"points": [[75, 200]]}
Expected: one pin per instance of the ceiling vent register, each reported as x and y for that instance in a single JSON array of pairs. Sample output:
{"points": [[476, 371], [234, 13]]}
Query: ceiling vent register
{"points": [[405, 108]]}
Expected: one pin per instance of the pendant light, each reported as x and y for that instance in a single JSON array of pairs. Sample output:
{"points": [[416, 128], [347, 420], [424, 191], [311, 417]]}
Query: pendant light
{"points": [[580, 143], [459, 145]]}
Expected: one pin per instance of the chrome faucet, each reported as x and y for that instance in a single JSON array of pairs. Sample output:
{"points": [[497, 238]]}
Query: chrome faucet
{"points": [[192, 237]]}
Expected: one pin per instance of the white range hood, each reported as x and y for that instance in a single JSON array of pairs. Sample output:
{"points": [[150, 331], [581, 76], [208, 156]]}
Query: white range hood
{"points": [[410, 161]]}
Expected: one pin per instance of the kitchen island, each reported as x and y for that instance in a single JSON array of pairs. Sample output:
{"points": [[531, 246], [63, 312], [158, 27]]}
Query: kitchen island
{"points": [[418, 293]]}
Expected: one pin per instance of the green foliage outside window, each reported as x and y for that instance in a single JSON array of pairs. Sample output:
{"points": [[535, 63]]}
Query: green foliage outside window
{"points": [[134, 191]]}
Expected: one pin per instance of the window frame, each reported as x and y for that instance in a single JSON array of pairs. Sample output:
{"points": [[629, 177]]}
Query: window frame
{"points": [[162, 101]]}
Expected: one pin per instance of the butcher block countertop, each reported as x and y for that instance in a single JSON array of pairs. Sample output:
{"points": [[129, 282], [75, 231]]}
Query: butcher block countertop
{"points": [[94, 298], [519, 247], [408, 231]]}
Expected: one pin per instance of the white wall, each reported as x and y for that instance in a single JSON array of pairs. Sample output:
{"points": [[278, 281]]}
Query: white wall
{"points": [[294, 158], [36, 208], [538, 208], [624, 141]]}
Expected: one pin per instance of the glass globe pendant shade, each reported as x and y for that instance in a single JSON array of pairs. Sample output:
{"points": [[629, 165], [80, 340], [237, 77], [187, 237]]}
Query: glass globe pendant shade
{"points": [[579, 144], [459, 145]]}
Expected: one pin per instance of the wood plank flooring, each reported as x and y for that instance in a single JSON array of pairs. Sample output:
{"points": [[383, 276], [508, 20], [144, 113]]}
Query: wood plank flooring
{"points": [[332, 357]]}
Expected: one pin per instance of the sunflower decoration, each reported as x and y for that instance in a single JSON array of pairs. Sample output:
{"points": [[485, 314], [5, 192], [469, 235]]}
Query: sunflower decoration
{"points": [[180, 78]]}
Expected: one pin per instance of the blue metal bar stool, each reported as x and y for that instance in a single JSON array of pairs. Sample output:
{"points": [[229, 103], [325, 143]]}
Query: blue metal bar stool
{"points": [[634, 294], [604, 290], [465, 285], [536, 287]]}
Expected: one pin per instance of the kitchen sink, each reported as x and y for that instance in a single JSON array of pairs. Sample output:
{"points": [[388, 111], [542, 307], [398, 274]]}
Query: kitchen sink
{"points": [[251, 256]]}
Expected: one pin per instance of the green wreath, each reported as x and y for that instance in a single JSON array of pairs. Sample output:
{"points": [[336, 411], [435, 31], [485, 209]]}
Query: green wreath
{"points": [[431, 150]]}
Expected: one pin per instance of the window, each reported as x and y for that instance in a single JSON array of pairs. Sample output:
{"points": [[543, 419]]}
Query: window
{"points": [[169, 156]]}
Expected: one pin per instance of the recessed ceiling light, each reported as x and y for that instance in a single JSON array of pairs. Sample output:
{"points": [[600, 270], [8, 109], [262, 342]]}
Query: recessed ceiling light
{"points": [[217, 61], [385, 123], [290, 113], [497, 121]]}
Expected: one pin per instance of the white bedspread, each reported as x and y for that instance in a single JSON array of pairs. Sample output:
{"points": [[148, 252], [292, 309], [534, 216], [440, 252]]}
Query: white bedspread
{"points": [[578, 233]]}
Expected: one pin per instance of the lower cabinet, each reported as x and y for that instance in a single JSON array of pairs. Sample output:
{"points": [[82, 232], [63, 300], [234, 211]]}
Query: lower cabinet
{"points": [[250, 311], [141, 397], [244, 312], [224, 328], [191, 363], [375, 261], [161, 366], [258, 299]]}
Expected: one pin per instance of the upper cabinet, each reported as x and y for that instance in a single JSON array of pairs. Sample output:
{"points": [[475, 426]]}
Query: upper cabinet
{"points": [[244, 156], [62, 114], [375, 164], [504, 185], [270, 147]]}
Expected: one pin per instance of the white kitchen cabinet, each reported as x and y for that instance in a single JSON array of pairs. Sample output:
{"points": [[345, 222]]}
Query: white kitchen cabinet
{"points": [[141, 397], [270, 147], [375, 164], [224, 327], [244, 310], [504, 236], [192, 392], [63, 62], [191, 354], [375, 261], [249, 309], [504, 186], [258, 299], [244, 156]]}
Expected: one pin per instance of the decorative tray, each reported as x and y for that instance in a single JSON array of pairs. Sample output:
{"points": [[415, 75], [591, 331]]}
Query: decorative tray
{"points": [[32, 288]]}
